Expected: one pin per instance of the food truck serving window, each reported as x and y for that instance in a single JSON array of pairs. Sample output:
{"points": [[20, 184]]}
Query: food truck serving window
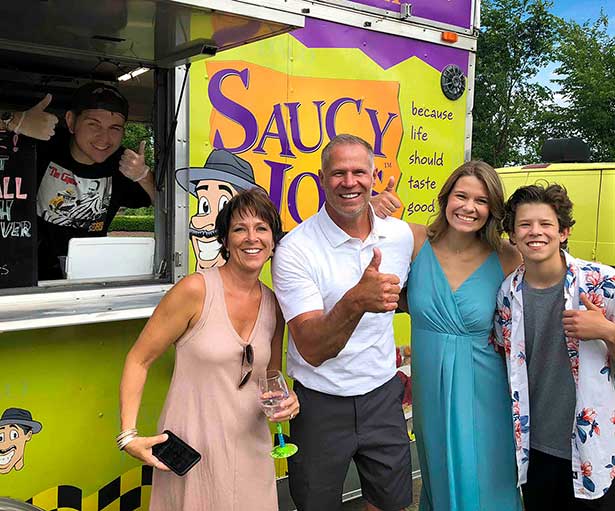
{"points": [[88, 215], [82, 210]]}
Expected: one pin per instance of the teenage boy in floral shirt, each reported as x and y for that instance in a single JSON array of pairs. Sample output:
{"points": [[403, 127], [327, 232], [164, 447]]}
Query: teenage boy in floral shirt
{"points": [[555, 318]]}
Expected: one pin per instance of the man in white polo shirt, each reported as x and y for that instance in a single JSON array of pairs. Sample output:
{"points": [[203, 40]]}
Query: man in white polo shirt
{"points": [[337, 277]]}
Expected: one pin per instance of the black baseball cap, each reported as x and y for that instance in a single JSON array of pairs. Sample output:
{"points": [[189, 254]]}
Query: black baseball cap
{"points": [[96, 95]]}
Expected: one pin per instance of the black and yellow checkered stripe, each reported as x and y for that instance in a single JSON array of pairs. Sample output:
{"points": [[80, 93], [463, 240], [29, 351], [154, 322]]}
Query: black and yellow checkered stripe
{"points": [[129, 492]]}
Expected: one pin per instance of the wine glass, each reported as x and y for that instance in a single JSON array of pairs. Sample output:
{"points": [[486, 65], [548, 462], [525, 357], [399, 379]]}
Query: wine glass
{"points": [[273, 391]]}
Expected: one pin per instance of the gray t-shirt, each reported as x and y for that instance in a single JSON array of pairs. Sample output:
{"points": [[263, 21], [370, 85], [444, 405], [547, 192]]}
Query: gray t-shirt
{"points": [[551, 387]]}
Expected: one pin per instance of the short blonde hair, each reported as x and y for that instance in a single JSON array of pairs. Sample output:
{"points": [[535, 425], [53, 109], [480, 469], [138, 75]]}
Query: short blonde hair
{"points": [[491, 232], [344, 139]]}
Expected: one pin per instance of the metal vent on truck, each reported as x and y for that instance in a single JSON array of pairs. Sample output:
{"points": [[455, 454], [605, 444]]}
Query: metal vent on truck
{"points": [[453, 82]]}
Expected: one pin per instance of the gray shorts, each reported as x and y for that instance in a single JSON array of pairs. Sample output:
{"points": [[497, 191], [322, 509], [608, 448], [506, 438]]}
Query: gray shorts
{"points": [[332, 430]]}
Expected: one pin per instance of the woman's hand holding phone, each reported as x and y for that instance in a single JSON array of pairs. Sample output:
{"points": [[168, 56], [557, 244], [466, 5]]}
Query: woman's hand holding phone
{"points": [[141, 448]]}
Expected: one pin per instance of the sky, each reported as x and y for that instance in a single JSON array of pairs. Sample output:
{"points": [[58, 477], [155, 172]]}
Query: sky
{"points": [[579, 11]]}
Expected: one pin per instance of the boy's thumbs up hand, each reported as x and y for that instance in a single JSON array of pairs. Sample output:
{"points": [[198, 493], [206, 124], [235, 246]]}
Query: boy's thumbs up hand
{"points": [[35, 122], [588, 324], [132, 164]]}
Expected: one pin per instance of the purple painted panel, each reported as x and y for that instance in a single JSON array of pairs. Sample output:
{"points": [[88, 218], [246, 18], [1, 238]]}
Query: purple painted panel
{"points": [[386, 50], [453, 12], [391, 5]]}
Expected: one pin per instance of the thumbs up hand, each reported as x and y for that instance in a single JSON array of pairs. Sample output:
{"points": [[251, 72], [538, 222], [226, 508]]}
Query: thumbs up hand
{"points": [[132, 164], [377, 292], [374, 264], [35, 122], [588, 324], [386, 202]]}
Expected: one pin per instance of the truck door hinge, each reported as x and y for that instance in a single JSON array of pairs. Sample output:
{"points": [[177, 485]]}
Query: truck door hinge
{"points": [[405, 11], [177, 259]]}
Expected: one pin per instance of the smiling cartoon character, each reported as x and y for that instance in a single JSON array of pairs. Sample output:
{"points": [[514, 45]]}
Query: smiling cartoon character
{"points": [[223, 176], [16, 428]]}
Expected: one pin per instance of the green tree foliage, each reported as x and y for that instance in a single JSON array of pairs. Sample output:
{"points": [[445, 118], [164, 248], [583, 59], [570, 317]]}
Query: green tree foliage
{"points": [[586, 76], [516, 40], [134, 132]]}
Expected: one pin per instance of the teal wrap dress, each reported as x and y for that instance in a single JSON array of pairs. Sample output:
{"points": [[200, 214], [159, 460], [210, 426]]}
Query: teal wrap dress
{"points": [[461, 405]]}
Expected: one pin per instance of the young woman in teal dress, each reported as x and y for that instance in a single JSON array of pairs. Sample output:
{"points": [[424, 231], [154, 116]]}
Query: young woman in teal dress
{"points": [[461, 404]]}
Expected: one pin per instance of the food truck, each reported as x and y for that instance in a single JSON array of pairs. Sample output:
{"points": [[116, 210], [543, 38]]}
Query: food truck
{"points": [[271, 82]]}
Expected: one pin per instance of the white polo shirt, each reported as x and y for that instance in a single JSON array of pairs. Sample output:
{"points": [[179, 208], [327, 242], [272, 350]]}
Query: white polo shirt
{"points": [[313, 267]]}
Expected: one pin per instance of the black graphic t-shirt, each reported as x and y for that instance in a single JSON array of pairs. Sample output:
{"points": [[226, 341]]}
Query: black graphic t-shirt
{"points": [[76, 200], [5, 145]]}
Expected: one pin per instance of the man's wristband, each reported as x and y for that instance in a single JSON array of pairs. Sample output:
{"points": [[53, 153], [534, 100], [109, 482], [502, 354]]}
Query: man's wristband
{"points": [[16, 128], [142, 176]]}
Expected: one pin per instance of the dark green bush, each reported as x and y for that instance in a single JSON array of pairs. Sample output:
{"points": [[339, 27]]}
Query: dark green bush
{"points": [[132, 223], [148, 211]]}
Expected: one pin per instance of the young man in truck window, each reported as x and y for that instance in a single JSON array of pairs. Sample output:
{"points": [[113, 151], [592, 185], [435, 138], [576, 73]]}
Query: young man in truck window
{"points": [[84, 175], [555, 318]]}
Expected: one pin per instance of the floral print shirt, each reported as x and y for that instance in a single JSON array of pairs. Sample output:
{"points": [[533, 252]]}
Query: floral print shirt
{"points": [[593, 428]]}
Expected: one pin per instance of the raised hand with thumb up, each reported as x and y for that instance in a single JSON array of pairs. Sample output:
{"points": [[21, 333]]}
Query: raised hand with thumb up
{"points": [[377, 292], [132, 164], [386, 202], [588, 324], [35, 123]]}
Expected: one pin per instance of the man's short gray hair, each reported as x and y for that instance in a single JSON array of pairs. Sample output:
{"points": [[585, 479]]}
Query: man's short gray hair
{"points": [[345, 139]]}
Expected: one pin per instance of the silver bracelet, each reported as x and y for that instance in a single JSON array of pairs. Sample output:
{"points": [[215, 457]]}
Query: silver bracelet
{"points": [[125, 433], [125, 437], [145, 172], [125, 441]]}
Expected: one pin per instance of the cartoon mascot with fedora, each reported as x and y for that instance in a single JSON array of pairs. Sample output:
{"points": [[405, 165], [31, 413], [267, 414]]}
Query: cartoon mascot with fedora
{"points": [[16, 428], [222, 177]]}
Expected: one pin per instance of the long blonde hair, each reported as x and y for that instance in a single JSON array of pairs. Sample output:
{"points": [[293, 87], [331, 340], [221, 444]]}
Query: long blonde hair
{"points": [[491, 232]]}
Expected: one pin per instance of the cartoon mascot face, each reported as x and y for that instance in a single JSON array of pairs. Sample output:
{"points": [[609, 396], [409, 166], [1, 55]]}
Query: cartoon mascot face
{"points": [[222, 177], [16, 428]]}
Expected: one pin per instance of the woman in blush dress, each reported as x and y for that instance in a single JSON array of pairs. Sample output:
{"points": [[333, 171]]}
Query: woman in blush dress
{"points": [[227, 330]]}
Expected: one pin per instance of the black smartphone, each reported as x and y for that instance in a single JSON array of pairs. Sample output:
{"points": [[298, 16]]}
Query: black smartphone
{"points": [[176, 454]]}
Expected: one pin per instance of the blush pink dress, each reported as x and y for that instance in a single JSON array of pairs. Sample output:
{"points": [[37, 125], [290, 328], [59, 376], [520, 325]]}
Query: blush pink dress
{"points": [[205, 407]]}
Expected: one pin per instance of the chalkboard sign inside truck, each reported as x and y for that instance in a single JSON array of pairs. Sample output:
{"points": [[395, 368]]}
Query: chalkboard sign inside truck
{"points": [[18, 266]]}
